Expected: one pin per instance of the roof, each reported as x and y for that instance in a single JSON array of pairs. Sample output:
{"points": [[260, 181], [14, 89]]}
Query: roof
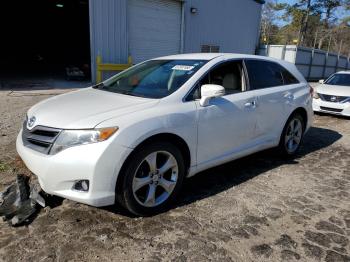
{"points": [[227, 56], [199, 56], [210, 56]]}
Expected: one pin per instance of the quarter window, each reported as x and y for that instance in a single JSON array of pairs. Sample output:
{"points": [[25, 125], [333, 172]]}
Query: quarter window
{"points": [[288, 78]]}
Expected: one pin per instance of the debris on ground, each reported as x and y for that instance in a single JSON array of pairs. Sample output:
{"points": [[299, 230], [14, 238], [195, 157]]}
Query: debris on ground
{"points": [[20, 201]]}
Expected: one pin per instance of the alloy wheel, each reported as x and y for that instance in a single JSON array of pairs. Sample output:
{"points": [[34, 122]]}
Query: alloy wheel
{"points": [[155, 178], [293, 135]]}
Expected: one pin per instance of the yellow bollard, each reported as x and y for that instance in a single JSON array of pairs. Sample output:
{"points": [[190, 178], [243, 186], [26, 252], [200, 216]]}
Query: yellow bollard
{"points": [[130, 60]]}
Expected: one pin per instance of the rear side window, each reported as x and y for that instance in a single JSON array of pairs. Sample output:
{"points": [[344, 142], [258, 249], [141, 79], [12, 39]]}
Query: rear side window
{"points": [[264, 74]]}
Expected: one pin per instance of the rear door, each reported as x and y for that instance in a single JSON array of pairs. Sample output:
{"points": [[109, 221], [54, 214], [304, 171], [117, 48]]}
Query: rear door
{"points": [[274, 88]]}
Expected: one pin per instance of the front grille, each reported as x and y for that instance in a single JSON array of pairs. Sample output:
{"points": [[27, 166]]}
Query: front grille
{"points": [[331, 109], [40, 138], [334, 99]]}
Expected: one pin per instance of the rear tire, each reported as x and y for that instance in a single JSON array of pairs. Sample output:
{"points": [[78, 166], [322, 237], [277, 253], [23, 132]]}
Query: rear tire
{"points": [[151, 179], [292, 135]]}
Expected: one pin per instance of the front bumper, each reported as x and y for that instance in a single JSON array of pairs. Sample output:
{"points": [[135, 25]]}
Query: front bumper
{"points": [[343, 109], [99, 163]]}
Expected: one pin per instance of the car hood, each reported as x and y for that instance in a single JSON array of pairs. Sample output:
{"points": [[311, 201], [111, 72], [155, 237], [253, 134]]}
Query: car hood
{"points": [[333, 90], [85, 108]]}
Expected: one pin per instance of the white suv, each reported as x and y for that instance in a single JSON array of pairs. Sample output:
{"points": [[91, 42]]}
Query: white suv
{"points": [[134, 138]]}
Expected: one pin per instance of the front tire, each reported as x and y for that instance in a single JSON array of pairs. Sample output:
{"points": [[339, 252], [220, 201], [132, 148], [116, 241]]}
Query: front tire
{"points": [[292, 135], [151, 179]]}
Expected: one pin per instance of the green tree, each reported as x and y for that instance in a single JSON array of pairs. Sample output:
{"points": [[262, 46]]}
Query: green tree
{"points": [[301, 17], [270, 16], [329, 28], [310, 23]]}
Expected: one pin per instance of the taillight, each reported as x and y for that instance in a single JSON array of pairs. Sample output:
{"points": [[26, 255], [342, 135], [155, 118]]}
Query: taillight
{"points": [[311, 91]]}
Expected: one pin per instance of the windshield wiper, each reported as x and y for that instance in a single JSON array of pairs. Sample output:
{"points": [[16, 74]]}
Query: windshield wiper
{"points": [[100, 85], [129, 93], [123, 92]]}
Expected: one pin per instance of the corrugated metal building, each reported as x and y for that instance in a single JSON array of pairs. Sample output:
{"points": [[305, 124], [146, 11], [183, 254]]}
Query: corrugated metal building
{"points": [[145, 29]]}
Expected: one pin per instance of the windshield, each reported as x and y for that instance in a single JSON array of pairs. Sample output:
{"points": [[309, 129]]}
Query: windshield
{"points": [[153, 79], [339, 79]]}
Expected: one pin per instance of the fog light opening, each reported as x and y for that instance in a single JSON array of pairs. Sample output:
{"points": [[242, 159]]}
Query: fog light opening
{"points": [[82, 185]]}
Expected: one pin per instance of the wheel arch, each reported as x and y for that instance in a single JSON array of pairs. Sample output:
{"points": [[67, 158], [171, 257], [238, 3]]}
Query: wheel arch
{"points": [[298, 111], [170, 138], [302, 111], [161, 137]]}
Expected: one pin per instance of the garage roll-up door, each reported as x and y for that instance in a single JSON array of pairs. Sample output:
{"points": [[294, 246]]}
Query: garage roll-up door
{"points": [[154, 28]]}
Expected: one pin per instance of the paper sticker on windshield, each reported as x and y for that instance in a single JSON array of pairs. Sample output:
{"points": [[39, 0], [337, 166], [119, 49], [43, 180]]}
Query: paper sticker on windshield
{"points": [[183, 67]]}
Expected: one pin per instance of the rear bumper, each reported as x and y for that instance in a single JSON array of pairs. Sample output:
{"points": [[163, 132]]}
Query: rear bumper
{"points": [[343, 109], [99, 163]]}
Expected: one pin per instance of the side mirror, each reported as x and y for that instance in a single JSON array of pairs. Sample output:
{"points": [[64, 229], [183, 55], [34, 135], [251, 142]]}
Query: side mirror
{"points": [[321, 81], [210, 91]]}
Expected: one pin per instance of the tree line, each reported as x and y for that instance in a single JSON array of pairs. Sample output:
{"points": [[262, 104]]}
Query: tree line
{"points": [[322, 24]]}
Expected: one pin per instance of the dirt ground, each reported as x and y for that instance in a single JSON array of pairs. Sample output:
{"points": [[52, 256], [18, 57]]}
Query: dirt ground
{"points": [[260, 208]]}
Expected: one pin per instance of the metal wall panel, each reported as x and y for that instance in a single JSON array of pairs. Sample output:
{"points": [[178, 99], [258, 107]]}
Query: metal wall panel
{"points": [[231, 24], [304, 69], [290, 56], [277, 52], [319, 58], [154, 28], [304, 55], [329, 71], [312, 63], [342, 62], [316, 72], [108, 32], [332, 60]]}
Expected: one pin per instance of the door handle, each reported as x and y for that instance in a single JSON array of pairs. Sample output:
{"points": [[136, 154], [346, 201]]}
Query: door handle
{"points": [[289, 96], [251, 104]]}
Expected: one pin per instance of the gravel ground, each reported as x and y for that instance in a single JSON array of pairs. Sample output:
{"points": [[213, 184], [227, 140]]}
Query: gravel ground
{"points": [[260, 208]]}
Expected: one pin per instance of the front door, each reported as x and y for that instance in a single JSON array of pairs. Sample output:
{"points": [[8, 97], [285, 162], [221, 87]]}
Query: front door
{"points": [[227, 124]]}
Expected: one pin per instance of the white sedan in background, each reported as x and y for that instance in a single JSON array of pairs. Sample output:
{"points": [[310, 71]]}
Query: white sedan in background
{"points": [[333, 95], [133, 138]]}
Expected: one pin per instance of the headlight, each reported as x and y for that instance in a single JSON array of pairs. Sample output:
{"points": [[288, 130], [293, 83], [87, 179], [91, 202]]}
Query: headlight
{"points": [[316, 96], [70, 138]]}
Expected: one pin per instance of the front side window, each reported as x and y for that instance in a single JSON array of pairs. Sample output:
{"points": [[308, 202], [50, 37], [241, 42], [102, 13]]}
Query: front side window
{"points": [[339, 79], [153, 79], [229, 75]]}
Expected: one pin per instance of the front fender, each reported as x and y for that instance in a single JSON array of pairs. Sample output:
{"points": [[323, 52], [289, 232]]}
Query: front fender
{"points": [[137, 127]]}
